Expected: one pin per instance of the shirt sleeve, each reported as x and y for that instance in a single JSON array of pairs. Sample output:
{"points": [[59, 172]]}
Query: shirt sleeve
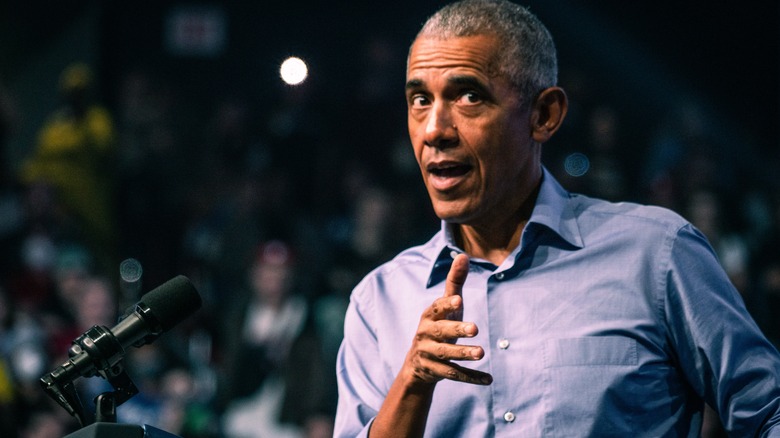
{"points": [[360, 396], [721, 351]]}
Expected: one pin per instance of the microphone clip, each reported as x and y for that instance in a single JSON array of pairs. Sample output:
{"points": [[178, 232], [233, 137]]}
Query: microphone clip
{"points": [[104, 357], [101, 347]]}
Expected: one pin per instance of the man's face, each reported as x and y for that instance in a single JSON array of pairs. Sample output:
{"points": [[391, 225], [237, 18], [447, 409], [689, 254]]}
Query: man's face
{"points": [[470, 131]]}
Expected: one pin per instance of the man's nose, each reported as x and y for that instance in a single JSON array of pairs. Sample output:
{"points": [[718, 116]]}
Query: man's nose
{"points": [[440, 129]]}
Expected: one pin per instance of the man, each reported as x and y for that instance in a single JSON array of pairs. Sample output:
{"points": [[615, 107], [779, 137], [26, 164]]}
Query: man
{"points": [[535, 312], [74, 158]]}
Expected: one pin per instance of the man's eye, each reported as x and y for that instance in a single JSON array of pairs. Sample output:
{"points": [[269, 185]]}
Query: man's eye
{"points": [[470, 98], [419, 100]]}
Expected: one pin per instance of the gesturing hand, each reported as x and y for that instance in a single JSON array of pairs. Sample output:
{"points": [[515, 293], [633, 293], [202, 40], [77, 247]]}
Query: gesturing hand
{"points": [[434, 347]]}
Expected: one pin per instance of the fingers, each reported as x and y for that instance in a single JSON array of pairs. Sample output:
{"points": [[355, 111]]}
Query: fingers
{"points": [[467, 375], [434, 365], [447, 352], [445, 330], [444, 308]]}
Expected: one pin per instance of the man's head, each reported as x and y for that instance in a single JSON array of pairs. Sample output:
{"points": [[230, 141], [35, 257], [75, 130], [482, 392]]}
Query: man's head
{"points": [[526, 52], [75, 86], [481, 95], [271, 273]]}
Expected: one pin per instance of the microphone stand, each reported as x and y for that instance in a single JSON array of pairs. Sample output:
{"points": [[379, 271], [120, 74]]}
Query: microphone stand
{"points": [[124, 389], [105, 404], [105, 425]]}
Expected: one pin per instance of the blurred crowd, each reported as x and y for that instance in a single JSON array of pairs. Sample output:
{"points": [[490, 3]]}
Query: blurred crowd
{"points": [[275, 214]]}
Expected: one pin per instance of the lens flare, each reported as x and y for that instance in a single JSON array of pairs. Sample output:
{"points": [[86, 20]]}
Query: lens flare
{"points": [[577, 164]]}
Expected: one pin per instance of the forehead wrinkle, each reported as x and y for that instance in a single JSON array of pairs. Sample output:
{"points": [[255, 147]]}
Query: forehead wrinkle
{"points": [[445, 53]]}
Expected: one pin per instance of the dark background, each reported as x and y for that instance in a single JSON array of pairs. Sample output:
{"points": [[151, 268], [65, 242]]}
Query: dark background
{"points": [[641, 54]]}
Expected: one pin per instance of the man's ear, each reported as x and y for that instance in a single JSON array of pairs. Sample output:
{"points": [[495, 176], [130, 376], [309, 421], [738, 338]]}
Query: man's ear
{"points": [[547, 113]]}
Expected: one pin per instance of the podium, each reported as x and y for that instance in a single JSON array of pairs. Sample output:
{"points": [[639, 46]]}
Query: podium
{"points": [[116, 430]]}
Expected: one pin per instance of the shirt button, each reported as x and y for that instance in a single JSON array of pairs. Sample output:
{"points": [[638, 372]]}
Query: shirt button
{"points": [[509, 417], [500, 276], [503, 343], [453, 254]]}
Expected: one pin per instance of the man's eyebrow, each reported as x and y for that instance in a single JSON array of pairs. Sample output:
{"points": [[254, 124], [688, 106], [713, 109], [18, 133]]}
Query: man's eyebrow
{"points": [[460, 80], [467, 81], [412, 84]]}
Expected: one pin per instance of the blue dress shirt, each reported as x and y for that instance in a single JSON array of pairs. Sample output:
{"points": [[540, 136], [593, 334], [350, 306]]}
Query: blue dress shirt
{"points": [[608, 320]]}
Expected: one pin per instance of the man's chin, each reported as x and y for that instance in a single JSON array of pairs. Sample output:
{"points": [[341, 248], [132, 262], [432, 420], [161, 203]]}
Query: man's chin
{"points": [[451, 215]]}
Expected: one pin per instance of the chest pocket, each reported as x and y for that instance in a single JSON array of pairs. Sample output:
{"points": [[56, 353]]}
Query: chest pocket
{"points": [[585, 380]]}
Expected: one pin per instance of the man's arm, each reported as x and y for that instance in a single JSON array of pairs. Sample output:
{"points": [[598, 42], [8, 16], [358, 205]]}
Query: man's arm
{"points": [[720, 349]]}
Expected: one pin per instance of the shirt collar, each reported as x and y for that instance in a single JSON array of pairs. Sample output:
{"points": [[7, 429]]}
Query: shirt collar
{"points": [[552, 211]]}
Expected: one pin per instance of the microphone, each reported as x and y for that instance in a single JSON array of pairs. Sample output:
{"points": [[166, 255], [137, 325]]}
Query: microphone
{"points": [[99, 349]]}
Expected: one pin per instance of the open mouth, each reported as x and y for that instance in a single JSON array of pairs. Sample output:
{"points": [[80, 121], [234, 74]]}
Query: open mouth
{"points": [[449, 170]]}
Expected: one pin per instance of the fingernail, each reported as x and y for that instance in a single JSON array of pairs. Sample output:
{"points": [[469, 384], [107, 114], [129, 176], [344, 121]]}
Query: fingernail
{"points": [[475, 352], [454, 301]]}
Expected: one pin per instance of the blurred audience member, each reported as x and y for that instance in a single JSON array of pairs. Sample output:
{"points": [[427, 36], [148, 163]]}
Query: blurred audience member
{"points": [[74, 156], [610, 166], [32, 284], [274, 384], [60, 317], [45, 424], [21, 360]]}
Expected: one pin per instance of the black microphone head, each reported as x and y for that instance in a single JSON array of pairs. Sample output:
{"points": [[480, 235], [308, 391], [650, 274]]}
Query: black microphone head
{"points": [[172, 301]]}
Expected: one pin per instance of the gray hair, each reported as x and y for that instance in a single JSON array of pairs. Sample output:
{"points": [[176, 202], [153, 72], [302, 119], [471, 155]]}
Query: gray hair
{"points": [[526, 52]]}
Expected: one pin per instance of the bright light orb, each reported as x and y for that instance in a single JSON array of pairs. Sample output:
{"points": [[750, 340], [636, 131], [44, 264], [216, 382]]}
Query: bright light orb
{"points": [[293, 71]]}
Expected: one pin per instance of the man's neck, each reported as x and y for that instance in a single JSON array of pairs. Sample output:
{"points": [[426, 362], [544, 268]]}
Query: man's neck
{"points": [[495, 241], [491, 245]]}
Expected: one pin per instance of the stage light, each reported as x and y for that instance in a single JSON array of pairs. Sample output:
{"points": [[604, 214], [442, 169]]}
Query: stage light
{"points": [[293, 71]]}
